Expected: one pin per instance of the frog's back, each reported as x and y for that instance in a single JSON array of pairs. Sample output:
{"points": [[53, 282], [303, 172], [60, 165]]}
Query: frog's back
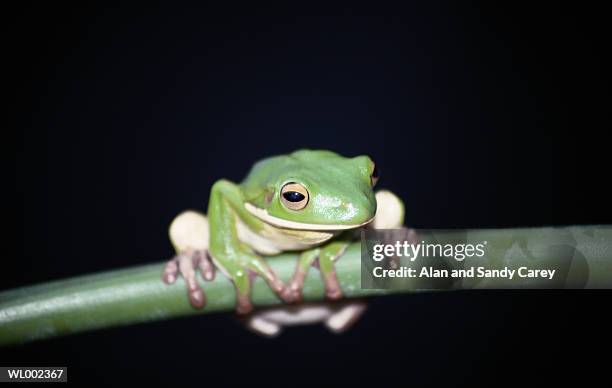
{"points": [[275, 165]]}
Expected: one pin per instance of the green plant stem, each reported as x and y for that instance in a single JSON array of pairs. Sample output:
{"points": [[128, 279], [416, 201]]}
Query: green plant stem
{"points": [[137, 294]]}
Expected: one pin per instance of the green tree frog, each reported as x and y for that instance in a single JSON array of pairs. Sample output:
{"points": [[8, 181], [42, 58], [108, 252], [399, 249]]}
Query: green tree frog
{"points": [[311, 201]]}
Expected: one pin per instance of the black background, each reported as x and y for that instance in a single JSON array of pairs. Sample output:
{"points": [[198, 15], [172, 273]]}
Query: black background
{"points": [[478, 116]]}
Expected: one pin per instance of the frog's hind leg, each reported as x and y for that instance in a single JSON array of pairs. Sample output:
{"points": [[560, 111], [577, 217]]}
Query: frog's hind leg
{"points": [[271, 321], [390, 211], [263, 326], [189, 235], [336, 316], [345, 316]]}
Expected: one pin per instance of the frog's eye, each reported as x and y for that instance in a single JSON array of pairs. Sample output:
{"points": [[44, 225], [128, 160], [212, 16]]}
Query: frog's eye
{"points": [[294, 196], [374, 176]]}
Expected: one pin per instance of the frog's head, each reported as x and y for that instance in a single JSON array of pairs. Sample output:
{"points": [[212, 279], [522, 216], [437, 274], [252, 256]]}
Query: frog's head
{"points": [[312, 190]]}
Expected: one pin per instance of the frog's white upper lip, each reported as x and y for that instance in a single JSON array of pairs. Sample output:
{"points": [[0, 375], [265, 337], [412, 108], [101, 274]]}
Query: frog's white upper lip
{"points": [[263, 215]]}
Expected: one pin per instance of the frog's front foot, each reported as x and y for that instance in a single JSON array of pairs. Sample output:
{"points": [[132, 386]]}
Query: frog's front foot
{"points": [[323, 258], [243, 299], [186, 264], [293, 290], [332, 285], [242, 271]]}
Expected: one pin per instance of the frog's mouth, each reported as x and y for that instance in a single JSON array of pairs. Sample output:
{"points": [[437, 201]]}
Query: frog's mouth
{"points": [[263, 215]]}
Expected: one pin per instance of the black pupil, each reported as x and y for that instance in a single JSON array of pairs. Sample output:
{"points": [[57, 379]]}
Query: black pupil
{"points": [[293, 196]]}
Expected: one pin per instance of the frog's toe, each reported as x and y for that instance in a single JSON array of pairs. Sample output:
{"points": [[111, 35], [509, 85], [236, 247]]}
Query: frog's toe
{"points": [[243, 304], [345, 317], [207, 269], [337, 316], [197, 298], [263, 326], [332, 286], [292, 293], [170, 271]]}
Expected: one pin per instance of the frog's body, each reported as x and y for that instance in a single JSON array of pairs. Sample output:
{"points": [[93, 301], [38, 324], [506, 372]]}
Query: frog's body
{"points": [[308, 201]]}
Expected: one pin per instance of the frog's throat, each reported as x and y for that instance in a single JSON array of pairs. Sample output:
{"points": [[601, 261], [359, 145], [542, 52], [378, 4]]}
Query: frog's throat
{"points": [[263, 215]]}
